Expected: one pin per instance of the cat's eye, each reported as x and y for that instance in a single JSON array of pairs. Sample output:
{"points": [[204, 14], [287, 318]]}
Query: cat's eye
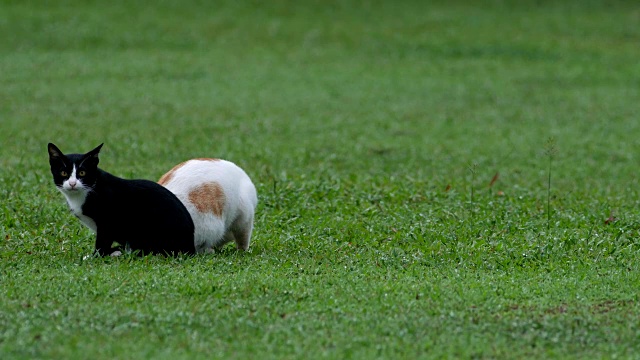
{"points": [[82, 173], [63, 173]]}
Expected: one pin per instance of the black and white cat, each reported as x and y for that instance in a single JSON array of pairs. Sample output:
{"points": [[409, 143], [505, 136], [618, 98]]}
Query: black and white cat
{"points": [[137, 214]]}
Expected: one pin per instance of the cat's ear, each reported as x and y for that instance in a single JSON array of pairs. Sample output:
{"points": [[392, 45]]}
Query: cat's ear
{"points": [[95, 151], [92, 155], [54, 153]]}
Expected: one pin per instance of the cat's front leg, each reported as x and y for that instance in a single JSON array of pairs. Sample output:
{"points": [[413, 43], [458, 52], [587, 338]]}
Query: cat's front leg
{"points": [[103, 245]]}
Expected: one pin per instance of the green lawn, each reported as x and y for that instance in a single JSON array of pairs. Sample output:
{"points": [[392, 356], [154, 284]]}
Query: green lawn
{"points": [[372, 130]]}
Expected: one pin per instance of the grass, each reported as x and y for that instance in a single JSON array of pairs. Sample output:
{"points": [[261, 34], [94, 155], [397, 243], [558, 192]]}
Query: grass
{"points": [[373, 131]]}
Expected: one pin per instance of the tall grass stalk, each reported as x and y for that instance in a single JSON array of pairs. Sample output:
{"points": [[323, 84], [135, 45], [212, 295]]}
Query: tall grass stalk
{"points": [[472, 169], [550, 152]]}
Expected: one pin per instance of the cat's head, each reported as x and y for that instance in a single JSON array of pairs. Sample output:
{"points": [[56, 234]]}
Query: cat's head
{"points": [[74, 173]]}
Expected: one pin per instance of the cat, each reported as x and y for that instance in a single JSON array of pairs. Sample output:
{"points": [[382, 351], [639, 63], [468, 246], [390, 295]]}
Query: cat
{"points": [[137, 214], [221, 199]]}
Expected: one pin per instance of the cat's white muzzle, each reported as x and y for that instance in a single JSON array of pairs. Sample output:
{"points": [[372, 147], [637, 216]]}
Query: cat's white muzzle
{"points": [[72, 184]]}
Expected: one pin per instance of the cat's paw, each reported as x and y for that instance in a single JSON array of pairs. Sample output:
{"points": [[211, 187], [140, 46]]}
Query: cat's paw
{"points": [[116, 253]]}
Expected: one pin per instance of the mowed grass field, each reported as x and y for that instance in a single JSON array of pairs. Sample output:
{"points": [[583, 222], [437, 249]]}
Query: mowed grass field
{"points": [[436, 179]]}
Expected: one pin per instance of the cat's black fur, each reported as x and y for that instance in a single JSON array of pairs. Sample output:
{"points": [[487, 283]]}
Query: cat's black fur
{"points": [[139, 214]]}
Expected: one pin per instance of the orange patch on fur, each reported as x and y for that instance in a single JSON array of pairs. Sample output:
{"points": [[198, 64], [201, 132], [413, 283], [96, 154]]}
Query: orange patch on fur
{"points": [[164, 179], [169, 175], [208, 197]]}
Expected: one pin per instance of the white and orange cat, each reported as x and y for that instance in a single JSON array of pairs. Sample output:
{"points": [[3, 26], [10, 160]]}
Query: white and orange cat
{"points": [[220, 198]]}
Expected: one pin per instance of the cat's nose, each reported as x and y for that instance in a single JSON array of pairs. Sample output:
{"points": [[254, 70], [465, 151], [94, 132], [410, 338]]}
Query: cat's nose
{"points": [[72, 183]]}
